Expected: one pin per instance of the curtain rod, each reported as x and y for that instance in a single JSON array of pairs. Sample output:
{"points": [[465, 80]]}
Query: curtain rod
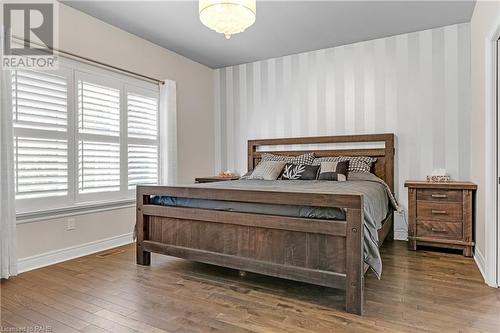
{"points": [[102, 64]]}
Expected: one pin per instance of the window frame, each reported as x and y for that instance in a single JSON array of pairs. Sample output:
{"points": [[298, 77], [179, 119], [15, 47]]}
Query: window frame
{"points": [[99, 138], [74, 202]]}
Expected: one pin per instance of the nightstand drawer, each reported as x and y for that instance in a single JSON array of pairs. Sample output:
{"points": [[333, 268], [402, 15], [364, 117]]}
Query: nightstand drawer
{"points": [[427, 210], [440, 195], [434, 229]]}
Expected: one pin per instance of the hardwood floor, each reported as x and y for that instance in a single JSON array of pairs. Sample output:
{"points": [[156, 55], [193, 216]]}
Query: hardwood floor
{"points": [[419, 292]]}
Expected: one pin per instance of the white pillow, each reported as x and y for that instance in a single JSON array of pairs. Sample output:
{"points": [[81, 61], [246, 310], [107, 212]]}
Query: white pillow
{"points": [[268, 170]]}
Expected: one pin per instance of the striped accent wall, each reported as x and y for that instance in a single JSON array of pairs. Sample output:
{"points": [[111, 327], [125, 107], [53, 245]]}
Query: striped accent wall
{"points": [[415, 85]]}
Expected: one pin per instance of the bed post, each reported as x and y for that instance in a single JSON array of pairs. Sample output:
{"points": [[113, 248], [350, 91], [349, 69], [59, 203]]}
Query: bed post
{"points": [[143, 257], [354, 260], [389, 160], [252, 148]]}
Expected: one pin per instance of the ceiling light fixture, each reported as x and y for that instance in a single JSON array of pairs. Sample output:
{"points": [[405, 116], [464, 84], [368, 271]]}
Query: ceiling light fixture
{"points": [[228, 17]]}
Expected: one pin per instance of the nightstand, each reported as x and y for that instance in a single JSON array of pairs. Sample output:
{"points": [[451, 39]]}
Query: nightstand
{"points": [[441, 215], [214, 179]]}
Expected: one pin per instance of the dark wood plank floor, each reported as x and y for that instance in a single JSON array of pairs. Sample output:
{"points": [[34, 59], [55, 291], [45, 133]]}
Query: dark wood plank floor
{"points": [[419, 292]]}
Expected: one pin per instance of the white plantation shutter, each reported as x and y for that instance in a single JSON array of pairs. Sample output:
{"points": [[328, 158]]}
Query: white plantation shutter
{"points": [[98, 136], [98, 109], [99, 167], [40, 134], [142, 117], [39, 101], [142, 129], [142, 165], [41, 167]]}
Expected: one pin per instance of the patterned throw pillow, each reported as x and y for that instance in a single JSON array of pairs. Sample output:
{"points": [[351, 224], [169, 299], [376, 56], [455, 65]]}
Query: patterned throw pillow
{"points": [[356, 163], [301, 159], [267, 170], [300, 172], [336, 171]]}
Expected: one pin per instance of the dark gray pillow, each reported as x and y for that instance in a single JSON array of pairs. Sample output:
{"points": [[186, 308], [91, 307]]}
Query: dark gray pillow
{"points": [[300, 172]]}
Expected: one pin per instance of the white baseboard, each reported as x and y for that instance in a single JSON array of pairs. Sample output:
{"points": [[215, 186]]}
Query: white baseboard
{"points": [[401, 234], [54, 257], [481, 264]]}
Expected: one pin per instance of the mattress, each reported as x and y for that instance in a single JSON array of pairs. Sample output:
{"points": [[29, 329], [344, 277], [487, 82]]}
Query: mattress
{"points": [[326, 213]]}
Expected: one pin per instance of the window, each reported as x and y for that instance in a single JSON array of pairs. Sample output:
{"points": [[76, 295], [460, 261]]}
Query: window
{"points": [[82, 134]]}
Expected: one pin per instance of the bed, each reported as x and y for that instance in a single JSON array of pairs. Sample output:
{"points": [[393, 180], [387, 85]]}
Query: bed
{"points": [[312, 232]]}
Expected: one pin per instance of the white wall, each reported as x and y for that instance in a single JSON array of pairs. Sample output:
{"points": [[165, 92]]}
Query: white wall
{"points": [[415, 85], [48, 241], [484, 21], [86, 36]]}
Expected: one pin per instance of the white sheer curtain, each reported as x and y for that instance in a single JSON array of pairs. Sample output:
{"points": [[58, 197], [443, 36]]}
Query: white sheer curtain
{"points": [[8, 259], [168, 133]]}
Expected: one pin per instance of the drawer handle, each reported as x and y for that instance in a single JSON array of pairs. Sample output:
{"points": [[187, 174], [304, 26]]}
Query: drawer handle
{"points": [[438, 211], [441, 196], [443, 231]]}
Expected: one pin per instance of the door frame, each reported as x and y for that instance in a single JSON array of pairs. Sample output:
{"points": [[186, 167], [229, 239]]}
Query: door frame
{"points": [[491, 258], [497, 150]]}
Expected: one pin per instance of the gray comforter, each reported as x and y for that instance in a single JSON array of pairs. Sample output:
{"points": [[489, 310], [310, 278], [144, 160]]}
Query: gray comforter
{"points": [[378, 201]]}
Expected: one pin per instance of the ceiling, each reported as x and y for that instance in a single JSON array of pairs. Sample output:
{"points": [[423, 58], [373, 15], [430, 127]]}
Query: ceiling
{"points": [[281, 28]]}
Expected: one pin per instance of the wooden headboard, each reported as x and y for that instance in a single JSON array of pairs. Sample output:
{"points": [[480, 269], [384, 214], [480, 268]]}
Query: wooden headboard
{"points": [[383, 168]]}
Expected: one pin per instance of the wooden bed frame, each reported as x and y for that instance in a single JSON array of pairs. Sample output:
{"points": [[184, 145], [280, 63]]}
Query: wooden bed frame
{"points": [[323, 252]]}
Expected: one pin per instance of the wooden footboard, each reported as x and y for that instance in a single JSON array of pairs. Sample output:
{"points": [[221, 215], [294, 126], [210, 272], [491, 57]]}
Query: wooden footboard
{"points": [[323, 252]]}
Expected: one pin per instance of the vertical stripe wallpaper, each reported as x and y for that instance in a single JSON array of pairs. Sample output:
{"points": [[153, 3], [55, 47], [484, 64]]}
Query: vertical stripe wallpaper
{"points": [[415, 85]]}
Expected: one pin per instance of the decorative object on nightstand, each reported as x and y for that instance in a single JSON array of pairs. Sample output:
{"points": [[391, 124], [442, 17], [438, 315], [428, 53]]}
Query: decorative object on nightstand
{"points": [[439, 175], [440, 214]]}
